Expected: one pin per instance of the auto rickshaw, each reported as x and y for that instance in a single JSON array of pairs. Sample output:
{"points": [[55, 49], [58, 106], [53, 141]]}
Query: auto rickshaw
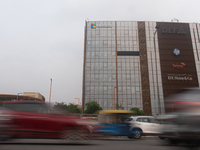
{"points": [[111, 122]]}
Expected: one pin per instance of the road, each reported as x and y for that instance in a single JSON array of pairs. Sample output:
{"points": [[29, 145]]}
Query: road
{"points": [[105, 144]]}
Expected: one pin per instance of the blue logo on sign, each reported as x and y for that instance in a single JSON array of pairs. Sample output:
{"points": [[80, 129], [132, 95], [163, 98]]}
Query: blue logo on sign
{"points": [[176, 52]]}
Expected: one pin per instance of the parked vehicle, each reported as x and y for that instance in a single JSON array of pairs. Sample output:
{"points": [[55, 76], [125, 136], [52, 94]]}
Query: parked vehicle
{"points": [[143, 126], [111, 122], [34, 119]]}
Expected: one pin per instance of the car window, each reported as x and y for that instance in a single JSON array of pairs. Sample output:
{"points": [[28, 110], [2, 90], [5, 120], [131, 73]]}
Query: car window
{"points": [[143, 120], [28, 107], [153, 120], [129, 119], [40, 108], [3, 108]]}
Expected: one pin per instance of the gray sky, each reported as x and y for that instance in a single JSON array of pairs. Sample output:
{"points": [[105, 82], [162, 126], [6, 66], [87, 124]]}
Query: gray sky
{"points": [[43, 39]]}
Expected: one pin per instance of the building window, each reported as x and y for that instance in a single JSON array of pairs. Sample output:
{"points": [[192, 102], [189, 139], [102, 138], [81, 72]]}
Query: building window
{"points": [[89, 42], [105, 65]]}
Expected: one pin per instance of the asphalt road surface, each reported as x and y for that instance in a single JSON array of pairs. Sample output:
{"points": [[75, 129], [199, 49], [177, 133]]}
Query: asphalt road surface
{"points": [[104, 144]]}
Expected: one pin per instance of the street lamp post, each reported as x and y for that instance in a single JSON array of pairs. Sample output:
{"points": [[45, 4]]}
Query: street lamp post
{"points": [[50, 91], [157, 27]]}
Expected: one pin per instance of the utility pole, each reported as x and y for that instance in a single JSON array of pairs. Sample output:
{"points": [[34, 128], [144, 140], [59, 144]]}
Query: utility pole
{"points": [[50, 91]]}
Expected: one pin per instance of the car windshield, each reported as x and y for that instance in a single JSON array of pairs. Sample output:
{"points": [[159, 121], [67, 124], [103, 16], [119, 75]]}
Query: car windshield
{"points": [[129, 119], [30, 107], [3, 108], [58, 110]]}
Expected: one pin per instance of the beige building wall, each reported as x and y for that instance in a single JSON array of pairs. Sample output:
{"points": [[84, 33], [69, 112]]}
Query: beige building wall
{"points": [[33, 94]]}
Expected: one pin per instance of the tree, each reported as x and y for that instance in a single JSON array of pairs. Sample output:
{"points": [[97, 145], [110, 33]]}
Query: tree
{"points": [[92, 107], [61, 106], [74, 108], [137, 111], [70, 108]]}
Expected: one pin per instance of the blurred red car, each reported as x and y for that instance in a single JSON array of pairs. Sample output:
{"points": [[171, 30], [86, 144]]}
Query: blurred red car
{"points": [[34, 119]]}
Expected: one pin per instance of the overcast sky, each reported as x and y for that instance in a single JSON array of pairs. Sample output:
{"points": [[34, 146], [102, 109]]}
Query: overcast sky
{"points": [[43, 39]]}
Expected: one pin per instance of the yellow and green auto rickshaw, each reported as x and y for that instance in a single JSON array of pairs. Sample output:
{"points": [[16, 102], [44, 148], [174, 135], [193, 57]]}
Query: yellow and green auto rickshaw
{"points": [[111, 122]]}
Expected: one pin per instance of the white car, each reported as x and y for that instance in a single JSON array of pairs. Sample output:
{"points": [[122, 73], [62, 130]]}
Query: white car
{"points": [[143, 125]]}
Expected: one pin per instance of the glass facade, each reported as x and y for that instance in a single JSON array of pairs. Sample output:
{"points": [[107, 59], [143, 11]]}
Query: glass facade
{"points": [[129, 82], [100, 68], [195, 36], [129, 77], [123, 61], [100, 65], [155, 81]]}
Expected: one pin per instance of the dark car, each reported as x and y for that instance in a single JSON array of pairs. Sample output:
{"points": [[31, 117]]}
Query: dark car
{"points": [[183, 123], [34, 119]]}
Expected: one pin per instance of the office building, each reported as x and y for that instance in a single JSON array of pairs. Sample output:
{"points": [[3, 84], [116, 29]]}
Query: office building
{"points": [[139, 63]]}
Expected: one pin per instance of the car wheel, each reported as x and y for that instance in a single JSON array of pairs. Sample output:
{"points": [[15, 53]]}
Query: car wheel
{"points": [[137, 134]]}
